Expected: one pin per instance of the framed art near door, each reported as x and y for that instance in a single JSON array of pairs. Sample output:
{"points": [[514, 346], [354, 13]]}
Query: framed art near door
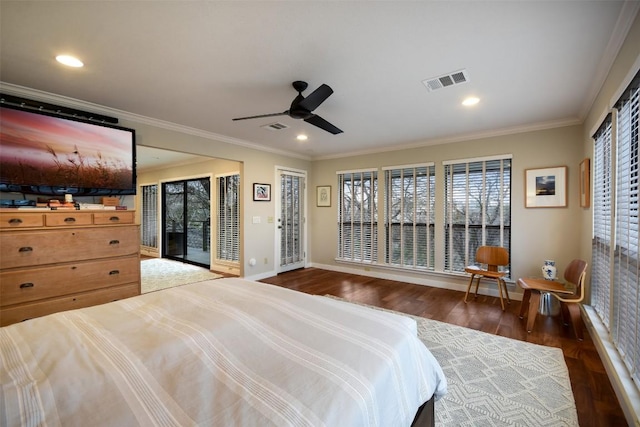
{"points": [[261, 192]]}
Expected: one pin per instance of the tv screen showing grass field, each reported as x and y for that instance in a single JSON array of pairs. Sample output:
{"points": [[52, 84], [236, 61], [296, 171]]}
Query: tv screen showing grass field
{"points": [[39, 151]]}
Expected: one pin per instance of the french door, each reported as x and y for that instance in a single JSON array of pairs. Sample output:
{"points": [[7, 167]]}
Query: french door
{"points": [[291, 240], [186, 221]]}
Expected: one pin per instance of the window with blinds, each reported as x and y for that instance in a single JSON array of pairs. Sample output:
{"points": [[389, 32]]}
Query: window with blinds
{"points": [[358, 216], [228, 223], [477, 208], [616, 259], [602, 215], [409, 199], [625, 256], [149, 217]]}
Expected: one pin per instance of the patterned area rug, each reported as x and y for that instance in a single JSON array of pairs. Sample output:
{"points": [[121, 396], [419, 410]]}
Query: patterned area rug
{"points": [[159, 273], [498, 381]]}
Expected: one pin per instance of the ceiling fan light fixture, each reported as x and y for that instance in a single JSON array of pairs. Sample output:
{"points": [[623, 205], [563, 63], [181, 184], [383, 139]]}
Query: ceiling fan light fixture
{"points": [[69, 61]]}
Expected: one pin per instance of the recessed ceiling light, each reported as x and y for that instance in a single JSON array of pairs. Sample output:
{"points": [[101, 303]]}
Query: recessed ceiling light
{"points": [[301, 137], [69, 61], [472, 100]]}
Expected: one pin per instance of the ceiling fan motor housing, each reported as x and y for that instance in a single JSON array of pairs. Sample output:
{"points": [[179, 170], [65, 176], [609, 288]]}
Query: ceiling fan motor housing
{"points": [[299, 85]]}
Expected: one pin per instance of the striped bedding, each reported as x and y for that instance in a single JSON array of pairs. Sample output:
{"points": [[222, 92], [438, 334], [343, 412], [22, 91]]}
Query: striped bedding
{"points": [[226, 352]]}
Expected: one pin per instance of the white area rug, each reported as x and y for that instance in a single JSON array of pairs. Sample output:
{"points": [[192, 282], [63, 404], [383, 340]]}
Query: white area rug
{"points": [[498, 381], [159, 273]]}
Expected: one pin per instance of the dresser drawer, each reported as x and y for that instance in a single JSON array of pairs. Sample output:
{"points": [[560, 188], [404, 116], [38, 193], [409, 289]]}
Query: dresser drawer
{"points": [[19, 313], [68, 218], [17, 219], [113, 217], [31, 248], [18, 286]]}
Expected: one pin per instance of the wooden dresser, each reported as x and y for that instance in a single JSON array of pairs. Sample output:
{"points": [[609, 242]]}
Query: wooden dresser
{"points": [[53, 261]]}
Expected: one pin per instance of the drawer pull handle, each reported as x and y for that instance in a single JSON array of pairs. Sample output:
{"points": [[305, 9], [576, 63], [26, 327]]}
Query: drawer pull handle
{"points": [[114, 218], [15, 221], [114, 272], [26, 285], [114, 242], [70, 219], [25, 249]]}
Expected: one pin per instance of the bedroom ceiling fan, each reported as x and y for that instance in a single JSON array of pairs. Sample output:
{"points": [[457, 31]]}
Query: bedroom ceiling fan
{"points": [[302, 108]]}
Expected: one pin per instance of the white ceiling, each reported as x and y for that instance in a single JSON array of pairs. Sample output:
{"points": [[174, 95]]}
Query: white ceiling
{"points": [[198, 64]]}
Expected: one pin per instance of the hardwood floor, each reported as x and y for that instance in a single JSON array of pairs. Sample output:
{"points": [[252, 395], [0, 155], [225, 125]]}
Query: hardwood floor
{"points": [[596, 402]]}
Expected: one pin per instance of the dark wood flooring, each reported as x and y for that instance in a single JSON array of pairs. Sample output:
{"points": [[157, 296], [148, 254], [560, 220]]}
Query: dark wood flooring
{"points": [[595, 399]]}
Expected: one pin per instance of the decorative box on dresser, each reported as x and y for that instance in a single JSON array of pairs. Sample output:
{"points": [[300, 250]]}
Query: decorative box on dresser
{"points": [[56, 260]]}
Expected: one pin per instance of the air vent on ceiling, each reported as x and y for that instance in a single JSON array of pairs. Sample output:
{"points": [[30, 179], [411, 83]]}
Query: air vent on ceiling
{"points": [[451, 79], [275, 126]]}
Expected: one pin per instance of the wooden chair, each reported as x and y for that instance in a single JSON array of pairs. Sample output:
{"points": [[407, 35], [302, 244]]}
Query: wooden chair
{"points": [[570, 295], [493, 257]]}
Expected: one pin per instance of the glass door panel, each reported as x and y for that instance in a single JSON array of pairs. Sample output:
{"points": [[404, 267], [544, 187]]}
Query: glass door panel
{"points": [[291, 221], [186, 221]]}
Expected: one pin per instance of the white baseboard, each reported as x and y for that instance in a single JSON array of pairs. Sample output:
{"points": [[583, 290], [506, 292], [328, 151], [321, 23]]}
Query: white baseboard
{"points": [[433, 279], [261, 276]]}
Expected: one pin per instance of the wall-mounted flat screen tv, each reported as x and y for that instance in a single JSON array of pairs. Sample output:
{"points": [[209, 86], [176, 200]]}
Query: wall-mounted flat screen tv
{"points": [[48, 154]]}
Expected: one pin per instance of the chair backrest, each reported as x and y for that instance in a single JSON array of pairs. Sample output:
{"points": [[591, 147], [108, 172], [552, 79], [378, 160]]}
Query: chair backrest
{"points": [[492, 256], [575, 274]]}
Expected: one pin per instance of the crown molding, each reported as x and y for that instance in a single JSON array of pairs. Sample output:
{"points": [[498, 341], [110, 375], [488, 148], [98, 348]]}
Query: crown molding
{"points": [[621, 30], [461, 138], [38, 95]]}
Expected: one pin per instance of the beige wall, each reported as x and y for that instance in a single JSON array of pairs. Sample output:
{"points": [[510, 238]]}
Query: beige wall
{"points": [[207, 167], [537, 233], [257, 166]]}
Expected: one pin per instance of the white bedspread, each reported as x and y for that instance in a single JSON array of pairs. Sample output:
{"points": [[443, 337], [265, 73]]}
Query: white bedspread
{"points": [[227, 352]]}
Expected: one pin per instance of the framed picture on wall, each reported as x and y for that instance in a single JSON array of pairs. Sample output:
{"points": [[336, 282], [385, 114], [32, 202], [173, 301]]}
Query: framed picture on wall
{"points": [[261, 192], [585, 183], [546, 187], [323, 195]]}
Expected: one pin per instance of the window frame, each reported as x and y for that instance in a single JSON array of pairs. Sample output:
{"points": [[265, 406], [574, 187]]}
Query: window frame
{"points": [[456, 258], [413, 246], [228, 219], [615, 289], [357, 216]]}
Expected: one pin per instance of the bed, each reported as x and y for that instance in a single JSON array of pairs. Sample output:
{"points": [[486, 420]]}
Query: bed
{"points": [[225, 352]]}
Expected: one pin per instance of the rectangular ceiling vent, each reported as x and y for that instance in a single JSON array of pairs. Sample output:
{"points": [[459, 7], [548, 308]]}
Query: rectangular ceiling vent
{"points": [[275, 126], [446, 80]]}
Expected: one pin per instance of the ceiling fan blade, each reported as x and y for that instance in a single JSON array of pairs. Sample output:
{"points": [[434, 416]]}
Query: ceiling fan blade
{"points": [[285, 113], [316, 98], [323, 124]]}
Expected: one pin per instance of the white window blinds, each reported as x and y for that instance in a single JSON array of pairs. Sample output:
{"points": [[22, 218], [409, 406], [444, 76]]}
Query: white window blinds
{"points": [[228, 242], [358, 216], [409, 216], [149, 216], [477, 208], [602, 215], [626, 294], [615, 270]]}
